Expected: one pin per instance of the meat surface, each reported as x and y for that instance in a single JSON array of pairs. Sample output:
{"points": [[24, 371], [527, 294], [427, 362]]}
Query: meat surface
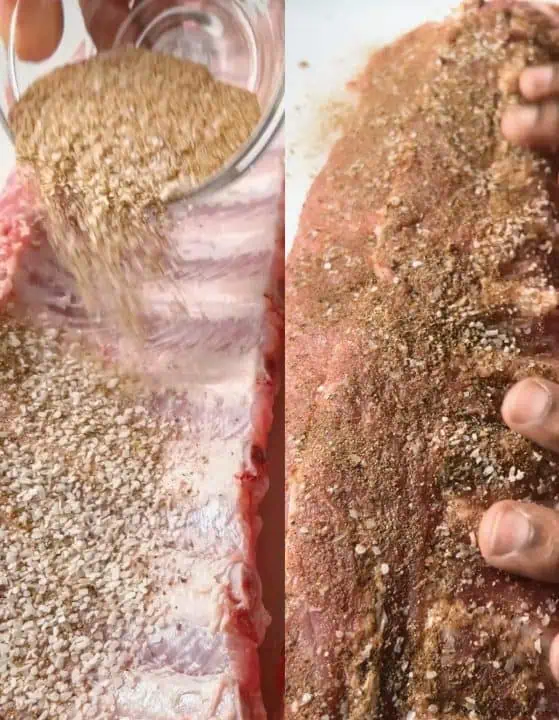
{"points": [[423, 283], [200, 660]]}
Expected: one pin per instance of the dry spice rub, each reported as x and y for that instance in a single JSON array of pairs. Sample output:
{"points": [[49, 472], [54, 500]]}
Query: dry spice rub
{"points": [[83, 521], [423, 283], [109, 142]]}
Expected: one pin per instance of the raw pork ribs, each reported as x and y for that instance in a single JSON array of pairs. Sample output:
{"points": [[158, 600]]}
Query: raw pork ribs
{"points": [[201, 659]]}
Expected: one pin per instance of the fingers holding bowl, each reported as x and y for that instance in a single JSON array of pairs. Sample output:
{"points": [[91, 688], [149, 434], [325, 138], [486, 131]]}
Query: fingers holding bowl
{"points": [[40, 25]]}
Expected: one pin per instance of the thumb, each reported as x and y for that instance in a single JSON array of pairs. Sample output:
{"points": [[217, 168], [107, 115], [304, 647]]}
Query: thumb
{"points": [[522, 539], [40, 24]]}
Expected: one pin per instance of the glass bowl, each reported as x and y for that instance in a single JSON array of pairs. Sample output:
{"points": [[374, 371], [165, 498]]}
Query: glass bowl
{"points": [[227, 231]]}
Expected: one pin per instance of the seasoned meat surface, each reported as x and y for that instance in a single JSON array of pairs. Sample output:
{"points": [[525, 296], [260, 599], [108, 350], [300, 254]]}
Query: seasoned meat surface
{"points": [[190, 651], [423, 283]]}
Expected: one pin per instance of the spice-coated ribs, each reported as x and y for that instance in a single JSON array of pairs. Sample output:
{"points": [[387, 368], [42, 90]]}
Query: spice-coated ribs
{"points": [[423, 283]]}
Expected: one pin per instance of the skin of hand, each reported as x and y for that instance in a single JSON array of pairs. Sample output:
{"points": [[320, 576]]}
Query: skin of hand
{"points": [[523, 538], [535, 123], [41, 24]]}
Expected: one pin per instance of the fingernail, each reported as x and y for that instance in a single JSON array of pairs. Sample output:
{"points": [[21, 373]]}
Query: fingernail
{"points": [[519, 121], [537, 79], [554, 658], [528, 403], [524, 116], [512, 532]]}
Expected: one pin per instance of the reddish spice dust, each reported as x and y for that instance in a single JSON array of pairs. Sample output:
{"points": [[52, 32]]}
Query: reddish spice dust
{"points": [[423, 283]]}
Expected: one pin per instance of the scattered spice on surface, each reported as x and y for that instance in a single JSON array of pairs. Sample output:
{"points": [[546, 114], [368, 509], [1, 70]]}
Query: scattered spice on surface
{"points": [[110, 141], [84, 518], [441, 244]]}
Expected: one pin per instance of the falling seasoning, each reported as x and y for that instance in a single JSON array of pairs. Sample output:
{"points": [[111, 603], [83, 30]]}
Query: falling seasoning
{"points": [[109, 143]]}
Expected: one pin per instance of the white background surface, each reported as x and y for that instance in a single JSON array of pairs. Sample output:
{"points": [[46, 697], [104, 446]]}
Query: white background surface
{"points": [[335, 37]]}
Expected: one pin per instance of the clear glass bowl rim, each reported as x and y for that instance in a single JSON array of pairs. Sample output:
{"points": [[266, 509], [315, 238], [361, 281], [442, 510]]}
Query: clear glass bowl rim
{"points": [[264, 135]]}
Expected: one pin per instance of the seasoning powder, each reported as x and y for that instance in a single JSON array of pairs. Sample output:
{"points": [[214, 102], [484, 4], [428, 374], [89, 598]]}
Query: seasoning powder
{"points": [[84, 518], [110, 141]]}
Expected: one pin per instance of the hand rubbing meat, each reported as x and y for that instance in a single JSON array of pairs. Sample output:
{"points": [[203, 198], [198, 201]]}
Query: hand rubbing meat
{"points": [[424, 283]]}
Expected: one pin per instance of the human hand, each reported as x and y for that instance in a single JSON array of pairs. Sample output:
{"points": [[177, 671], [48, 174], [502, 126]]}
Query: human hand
{"points": [[523, 538], [41, 24], [536, 123]]}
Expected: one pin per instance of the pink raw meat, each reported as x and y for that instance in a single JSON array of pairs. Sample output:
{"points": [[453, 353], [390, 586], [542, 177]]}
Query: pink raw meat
{"points": [[204, 663]]}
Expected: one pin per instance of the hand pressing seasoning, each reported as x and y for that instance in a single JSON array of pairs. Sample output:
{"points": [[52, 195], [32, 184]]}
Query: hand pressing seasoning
{"points": [[523, 538], [535, 123]]}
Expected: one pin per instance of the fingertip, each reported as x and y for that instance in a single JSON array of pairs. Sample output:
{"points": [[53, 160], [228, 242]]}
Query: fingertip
{"points": [[526, 404], [518, 123], [508, 126], [485, 530], [521, 538], [554, 658], [536, 83], [40, 26], [103, 19], [502, 531], [531, 408]]}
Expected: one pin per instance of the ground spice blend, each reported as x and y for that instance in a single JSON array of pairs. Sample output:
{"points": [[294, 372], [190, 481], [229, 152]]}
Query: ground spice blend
{"points": [[109, 142], [423, 283], [84, 517]]}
